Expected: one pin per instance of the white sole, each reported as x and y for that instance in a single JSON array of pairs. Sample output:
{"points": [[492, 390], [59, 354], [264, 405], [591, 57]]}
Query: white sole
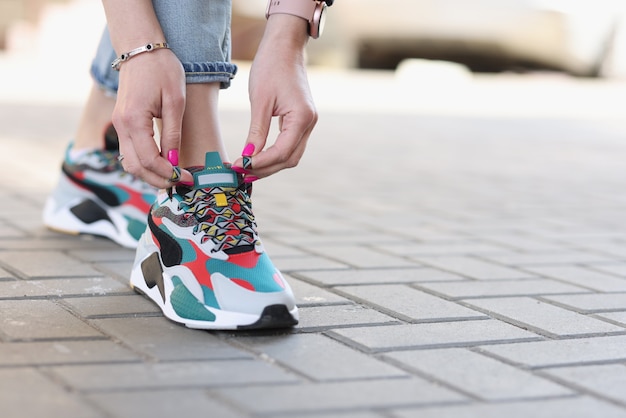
{"points": [[274, 316]]}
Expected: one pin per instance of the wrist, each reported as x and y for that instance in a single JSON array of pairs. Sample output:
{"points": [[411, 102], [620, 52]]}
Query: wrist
{"points": [[313, 12], [287, 30], [132, 24], [136, 51]]}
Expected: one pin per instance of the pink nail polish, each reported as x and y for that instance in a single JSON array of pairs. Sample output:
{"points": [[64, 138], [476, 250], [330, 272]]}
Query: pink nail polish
{"points": [[250, 179], [186, 183], [239, 170], [248, 150], [172, 157]]}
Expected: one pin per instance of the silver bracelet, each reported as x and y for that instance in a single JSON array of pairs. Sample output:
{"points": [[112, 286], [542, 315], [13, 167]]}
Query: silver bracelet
{"points": [[146, 48]]}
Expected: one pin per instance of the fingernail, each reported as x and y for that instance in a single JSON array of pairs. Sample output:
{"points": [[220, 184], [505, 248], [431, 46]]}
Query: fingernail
{"points": [[239, 170], [248, 150], [186, 183], [250, 179], [172, 156]]}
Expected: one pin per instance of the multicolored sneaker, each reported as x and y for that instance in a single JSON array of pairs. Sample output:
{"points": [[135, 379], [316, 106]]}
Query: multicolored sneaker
{"points": [[96, 196], [201, 260]]}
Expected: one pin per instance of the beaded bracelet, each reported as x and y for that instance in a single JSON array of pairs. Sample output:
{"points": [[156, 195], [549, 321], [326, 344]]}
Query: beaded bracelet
{"points": [[146, 48]]}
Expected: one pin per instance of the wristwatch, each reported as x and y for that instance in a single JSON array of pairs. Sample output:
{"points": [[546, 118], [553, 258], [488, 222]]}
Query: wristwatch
{"points": [[313, 11]]}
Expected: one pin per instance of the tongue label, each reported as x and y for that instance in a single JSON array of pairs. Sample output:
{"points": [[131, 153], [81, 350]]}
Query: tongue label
{"points": [[214, 174]]}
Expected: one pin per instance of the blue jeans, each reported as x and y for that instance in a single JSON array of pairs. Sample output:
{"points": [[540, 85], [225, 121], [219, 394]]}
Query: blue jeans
{"points": [[197, 31]]}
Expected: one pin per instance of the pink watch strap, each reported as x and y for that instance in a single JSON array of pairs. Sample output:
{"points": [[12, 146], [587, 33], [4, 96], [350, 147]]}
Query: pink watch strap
{"points": [[301, 8]]}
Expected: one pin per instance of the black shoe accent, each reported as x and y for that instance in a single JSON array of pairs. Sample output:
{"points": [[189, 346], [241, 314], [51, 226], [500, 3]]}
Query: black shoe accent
{"points": [[171, 253], [103, 194], [89, 212], [153, 273], [239, 250], [111, 142], [273, 316]]}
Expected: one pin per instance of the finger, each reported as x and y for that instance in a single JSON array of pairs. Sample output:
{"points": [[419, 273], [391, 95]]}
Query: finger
{"points": [[260, 122], [149, 158], [172, 113], [280, 164], [136, 136], [288, 149], [131, 164]]}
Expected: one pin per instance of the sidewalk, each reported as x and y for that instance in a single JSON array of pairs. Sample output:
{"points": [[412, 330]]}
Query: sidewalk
{"points": [[455, 252]]}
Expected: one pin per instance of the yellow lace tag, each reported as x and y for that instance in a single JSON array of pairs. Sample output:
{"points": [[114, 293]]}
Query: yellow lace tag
{"points": [[220, 200]]}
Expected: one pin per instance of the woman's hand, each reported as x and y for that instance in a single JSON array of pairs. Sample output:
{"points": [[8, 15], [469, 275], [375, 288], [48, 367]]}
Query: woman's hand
{"points": [[152, 85], [278, 86]]}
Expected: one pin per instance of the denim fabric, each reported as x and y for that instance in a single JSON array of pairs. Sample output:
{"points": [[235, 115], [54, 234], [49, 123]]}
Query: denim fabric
{"points": [[197, 31]]}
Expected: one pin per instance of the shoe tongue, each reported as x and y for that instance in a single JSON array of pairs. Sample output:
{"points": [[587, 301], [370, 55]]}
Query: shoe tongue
{"points": [[214, 173]]}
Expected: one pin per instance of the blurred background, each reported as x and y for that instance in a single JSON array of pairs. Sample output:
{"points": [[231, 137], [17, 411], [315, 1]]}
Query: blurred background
{"points": [[492, 56], [580, 37]]}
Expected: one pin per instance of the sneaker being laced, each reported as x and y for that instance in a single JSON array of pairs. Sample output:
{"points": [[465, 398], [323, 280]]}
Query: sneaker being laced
{"points": [[94, 195], [201, 260]]}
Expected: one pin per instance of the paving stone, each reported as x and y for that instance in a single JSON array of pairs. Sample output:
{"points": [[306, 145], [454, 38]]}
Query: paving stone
{"points": [[362, 257], [409, 304], [6, 275], [97, 255], [119, 270], [308, 262], [614, 269], [480, 376], [320, 358], [93, 307], [63, 352], [307, 294], [432, 335], [547, 259], [610, 248], [590, 303], [54, 241], [11, 289], [49, 264], [161, 339], [619, 317], [603, 380], [317, 318], [296, 400], [562, 352], [179, 374], [91, 286], [499, 288], [279, 250], [40, 319], [373, 276], [89, 255], [526, 244], [583, 407], [544, 318], [465, 247], [349, 414], [325, 234], [583, 277], [473, 268], [163, 404], [25, 392], [9, 231]]}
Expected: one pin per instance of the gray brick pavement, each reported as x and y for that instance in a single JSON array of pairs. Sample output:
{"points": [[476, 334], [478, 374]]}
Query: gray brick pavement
{"points": [[445, 266]]}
